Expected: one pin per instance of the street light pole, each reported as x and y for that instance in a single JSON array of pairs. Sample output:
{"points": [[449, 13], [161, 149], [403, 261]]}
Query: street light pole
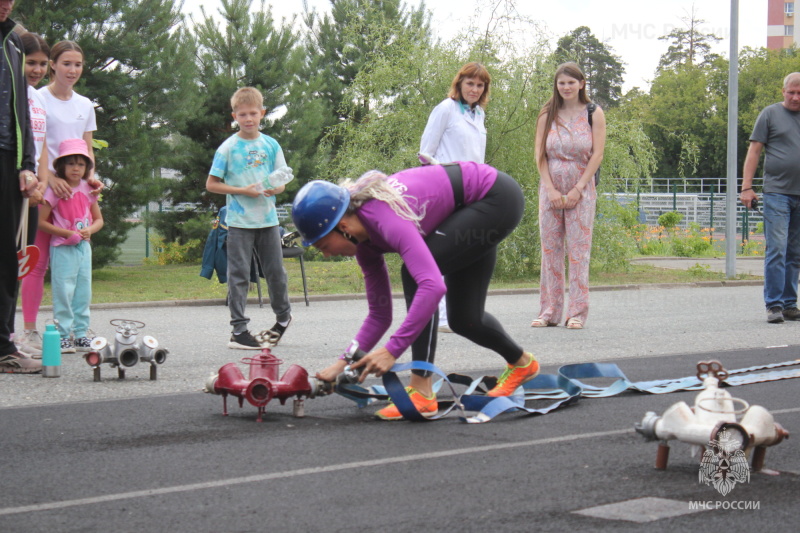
{"points": [[733, 122]]}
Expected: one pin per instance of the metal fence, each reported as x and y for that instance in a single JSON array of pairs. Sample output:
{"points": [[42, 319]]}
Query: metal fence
{"points": [[699, 200], [708, 211], [136, 247], [680, 185]]}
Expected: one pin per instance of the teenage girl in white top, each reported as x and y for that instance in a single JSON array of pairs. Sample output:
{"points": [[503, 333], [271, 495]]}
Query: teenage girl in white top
{"points": [[456, 131], [69, 115]]}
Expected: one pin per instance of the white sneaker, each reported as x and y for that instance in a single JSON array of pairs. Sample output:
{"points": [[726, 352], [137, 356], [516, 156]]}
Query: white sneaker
{"points": [[30, 342], [17, 363]]}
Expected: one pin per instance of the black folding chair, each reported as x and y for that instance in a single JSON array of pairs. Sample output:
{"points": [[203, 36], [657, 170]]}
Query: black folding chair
{"points": [[291, 250]]}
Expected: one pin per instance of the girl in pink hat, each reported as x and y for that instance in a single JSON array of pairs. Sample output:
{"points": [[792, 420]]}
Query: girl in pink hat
{"points": [[65, 114], [73, 222]]}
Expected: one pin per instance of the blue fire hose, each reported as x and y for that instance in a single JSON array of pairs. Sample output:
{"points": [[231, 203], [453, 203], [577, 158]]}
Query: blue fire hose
{"points": [[562, 389]]}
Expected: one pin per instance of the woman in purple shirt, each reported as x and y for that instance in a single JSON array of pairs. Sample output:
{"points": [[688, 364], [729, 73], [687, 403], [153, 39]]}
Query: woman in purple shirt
{"points": [[442, 220]]}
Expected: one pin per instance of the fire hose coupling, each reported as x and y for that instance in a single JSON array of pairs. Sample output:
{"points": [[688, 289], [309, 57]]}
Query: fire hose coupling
{"points": [[348, 376], [647, 427], [352, 355], [127, 349], [320, 388], [715, 415]]}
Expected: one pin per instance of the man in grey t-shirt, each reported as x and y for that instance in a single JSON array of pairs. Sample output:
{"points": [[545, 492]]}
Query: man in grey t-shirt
{"points": [[777, 129]]}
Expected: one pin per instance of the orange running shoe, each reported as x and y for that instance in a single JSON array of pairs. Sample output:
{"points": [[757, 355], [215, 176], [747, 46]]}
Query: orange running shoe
{"points": [[514, 376], [427, 407]]}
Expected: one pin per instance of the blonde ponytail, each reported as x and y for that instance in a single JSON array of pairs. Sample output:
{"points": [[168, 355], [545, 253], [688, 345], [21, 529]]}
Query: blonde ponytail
{"points": [[373, 185]]}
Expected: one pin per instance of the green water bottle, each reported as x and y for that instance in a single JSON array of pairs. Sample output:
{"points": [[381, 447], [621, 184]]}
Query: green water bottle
{"points": [[51, 352]]}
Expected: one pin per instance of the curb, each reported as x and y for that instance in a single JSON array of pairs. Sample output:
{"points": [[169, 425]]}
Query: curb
{"points": [[398, 295]]}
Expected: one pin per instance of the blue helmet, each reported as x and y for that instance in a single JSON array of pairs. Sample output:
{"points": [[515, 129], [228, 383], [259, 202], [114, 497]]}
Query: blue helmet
{"points": [[317, 208]]}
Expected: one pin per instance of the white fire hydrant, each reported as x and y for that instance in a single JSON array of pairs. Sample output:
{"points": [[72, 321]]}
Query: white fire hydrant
{"points": [[714, 412]]}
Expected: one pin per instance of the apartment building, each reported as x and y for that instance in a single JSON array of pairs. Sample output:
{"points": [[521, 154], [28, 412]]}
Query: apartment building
{"points": [[783, 27]]}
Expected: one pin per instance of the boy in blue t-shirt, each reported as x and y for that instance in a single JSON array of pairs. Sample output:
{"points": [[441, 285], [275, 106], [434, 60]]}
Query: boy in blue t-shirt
{"points": [[250, 169]]}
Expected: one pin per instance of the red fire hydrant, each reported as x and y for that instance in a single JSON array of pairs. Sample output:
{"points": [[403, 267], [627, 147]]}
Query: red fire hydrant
{"points": [[262, 385]]}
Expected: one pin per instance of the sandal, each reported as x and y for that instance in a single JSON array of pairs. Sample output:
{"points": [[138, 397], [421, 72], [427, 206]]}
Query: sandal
{"points": [[574, 323], [542, 323]]}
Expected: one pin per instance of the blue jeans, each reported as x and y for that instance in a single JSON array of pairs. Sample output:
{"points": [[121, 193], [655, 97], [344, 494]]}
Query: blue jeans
{"points": [[782, 257]]}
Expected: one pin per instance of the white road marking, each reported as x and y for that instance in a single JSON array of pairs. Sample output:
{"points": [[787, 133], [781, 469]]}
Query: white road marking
{"points": [[300, 472]]}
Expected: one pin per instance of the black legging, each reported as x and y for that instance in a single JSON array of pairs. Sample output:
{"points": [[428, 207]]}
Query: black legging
{"points": [[465, 249]]}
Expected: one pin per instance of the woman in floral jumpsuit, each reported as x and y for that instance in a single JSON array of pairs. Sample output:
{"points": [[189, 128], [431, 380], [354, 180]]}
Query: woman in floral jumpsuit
{"points": [[568, 153]]}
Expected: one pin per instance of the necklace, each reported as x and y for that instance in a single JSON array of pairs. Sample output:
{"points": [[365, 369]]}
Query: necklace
{"points": [[570, 114], [58, 96]]}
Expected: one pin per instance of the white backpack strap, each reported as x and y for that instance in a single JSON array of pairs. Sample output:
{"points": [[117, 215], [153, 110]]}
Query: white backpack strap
{"points": [[22, 232]]}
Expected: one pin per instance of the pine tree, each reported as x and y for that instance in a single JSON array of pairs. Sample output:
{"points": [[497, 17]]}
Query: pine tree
{"points": [[688, 45], [603, 70], [246, 50]]}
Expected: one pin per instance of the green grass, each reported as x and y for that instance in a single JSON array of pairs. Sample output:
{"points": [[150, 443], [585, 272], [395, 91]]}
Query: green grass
{"points": [[146, 283]]}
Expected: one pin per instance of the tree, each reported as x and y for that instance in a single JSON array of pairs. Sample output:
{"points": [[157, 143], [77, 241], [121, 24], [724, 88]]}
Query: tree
{"points": [[686, 118], [138, 70], [685, 113], [603, 69], [339, 46], [414, 78], [688, 45]]}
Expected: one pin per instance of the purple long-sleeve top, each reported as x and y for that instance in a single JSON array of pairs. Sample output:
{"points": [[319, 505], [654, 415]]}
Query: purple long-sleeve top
{"points": [[428, 192]]}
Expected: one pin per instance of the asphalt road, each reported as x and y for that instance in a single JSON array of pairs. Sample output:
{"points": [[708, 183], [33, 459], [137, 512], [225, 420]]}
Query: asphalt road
{"points": [[140, 455]]}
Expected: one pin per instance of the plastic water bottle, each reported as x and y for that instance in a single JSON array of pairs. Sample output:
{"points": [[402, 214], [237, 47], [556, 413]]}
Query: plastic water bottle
{"points": [[279, 177], [51, 352]]}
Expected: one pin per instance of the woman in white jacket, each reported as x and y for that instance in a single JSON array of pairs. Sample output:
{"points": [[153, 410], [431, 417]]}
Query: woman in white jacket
{"points": [[456, 131]]}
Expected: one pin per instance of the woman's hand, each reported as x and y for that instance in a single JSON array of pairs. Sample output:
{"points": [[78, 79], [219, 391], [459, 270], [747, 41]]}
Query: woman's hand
{"points": [[35, 198], [96, 185], [555, 198], [572, 198], [376, 362], [60, 187], [332, 372]]}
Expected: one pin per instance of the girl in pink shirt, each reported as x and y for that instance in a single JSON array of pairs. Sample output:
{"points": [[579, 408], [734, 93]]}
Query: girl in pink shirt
{"points": [[74, 220]]}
